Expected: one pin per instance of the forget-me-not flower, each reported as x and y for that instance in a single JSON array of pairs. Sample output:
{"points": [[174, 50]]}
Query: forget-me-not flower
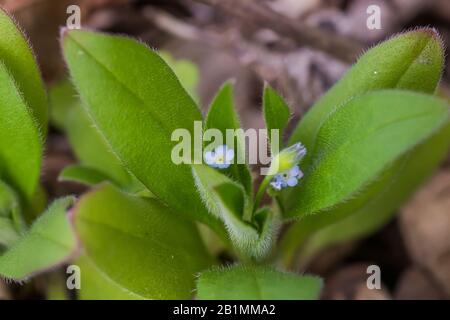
{"points": [[221, 157], [284, 167], [287, 178]]}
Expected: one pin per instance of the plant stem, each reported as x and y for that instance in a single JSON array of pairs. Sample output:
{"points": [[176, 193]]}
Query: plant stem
{"points": [[260, 193]]}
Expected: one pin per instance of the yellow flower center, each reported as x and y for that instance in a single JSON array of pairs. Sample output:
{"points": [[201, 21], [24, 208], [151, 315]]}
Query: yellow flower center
{"points": [[220, 159]]}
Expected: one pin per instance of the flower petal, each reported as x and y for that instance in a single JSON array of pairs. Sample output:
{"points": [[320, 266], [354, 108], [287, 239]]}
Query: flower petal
{"points": [[229, 155], [221, 150], [294, 172], [209, 157], [291, 182], [222, 165], [276, 185]]}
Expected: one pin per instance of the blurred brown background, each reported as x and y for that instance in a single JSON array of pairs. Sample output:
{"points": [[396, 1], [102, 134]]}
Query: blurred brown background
{"points": [[301, 47]]}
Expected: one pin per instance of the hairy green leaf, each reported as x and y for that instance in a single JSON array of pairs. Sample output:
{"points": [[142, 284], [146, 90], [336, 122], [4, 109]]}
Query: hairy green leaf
{"points": [[49, 242], [139, 244], [222, 116], [359, 140], [17, 57], [276, 112], [256, 283], [355, 219], [20, 144], [186, 71], [412, 61], [89, 146], [97, 285], [137, 118], [228, 201]]}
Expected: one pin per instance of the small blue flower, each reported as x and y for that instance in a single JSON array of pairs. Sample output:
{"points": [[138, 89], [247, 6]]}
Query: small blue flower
{"points": [[221, 157], [287, 178]]}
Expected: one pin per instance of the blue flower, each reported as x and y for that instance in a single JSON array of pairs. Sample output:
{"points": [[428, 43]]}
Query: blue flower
{"points": [[287, 178], [221, 157]]}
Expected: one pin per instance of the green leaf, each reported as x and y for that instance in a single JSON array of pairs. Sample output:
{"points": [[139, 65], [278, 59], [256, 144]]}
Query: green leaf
{"points": [[96, 285], [374, 208], [20, 145], [37, 204], [228, 201], [11, 219], [83, 175], [222, 116], [186, 71], [412, 61], [89, 146], [139, 244], [256, 283], [276, 112], [62, 99], [49, 242], [137, 118], [359, 140], [8, 200], [18, 59], [8, 232]]}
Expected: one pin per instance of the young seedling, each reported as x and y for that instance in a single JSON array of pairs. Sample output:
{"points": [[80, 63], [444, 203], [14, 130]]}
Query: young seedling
{"points": [[354, 158]]}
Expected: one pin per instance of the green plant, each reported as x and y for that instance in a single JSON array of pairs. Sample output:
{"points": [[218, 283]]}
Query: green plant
{"points": [[369, 143], [29, 242]]}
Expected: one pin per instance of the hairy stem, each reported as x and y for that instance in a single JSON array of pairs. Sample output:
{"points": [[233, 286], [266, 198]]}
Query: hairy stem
{"points": [[261, 190]]}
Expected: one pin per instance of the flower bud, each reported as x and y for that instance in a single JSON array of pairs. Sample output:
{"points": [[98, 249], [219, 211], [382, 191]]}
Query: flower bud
{"points": [[287, 159]]}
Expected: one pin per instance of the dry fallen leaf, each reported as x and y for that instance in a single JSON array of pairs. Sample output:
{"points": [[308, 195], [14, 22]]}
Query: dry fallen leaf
{"points": [[425, 224], [415, 284], [350, 283]]}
